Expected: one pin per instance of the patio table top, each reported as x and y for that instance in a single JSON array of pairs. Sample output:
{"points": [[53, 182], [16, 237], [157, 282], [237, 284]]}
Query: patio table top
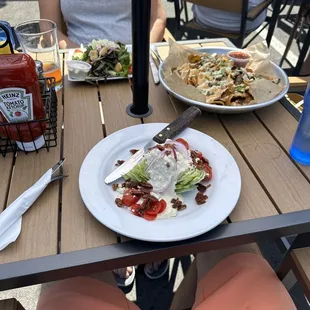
{"points": [[59, 235]]}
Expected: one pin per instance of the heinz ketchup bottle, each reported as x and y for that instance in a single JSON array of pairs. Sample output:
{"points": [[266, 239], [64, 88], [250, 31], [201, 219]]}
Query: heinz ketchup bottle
{"points": [[21, 101]]}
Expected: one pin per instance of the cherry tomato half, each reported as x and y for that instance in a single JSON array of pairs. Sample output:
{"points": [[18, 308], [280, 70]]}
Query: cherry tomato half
{"points": [[163, 206], [129, 199], [199, 154], [184, 142], [149, 217], [208, 170], [155, 209], [135, 208], [130, 70]]}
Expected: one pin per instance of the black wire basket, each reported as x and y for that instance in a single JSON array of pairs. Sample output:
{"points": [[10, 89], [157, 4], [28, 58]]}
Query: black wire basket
{"points": [[48, 125]]}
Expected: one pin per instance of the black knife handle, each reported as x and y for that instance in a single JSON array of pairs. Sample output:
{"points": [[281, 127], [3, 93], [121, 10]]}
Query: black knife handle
{"points": [[178, 125]]}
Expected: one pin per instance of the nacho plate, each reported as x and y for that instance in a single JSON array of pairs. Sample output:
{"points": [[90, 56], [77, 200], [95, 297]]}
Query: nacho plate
{"points": [[191, 96]]}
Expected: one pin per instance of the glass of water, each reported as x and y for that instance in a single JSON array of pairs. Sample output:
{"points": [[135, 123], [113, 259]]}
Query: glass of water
{"points": [[300, 148], [38, 38]]}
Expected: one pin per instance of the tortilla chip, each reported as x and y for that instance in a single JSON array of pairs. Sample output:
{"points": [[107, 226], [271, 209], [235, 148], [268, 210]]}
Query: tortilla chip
{"points": [[264, 90], [260, 60]]}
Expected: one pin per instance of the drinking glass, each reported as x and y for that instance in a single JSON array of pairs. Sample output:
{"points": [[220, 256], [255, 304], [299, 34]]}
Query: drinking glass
{"points": [[38, 38], [300, 148]]}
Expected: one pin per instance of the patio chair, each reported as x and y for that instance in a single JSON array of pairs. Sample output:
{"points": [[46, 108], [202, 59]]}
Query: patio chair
{"points": [[10, 304], [235, 6]]}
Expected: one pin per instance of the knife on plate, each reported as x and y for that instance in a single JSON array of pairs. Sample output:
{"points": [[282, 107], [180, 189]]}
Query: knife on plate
{"points": [[173, 129]]}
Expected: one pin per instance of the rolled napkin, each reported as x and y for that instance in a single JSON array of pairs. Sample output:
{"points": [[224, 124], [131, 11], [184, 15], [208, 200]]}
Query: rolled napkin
{"points": [[11, 217]]}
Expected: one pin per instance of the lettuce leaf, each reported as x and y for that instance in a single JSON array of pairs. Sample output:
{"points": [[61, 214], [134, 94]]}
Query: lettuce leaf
{"points": [[138, 173], [188, 180], [124, 58]]}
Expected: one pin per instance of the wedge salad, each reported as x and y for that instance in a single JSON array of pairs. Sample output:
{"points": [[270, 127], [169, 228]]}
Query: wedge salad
{"points": [[107, 58], [153, 188]]}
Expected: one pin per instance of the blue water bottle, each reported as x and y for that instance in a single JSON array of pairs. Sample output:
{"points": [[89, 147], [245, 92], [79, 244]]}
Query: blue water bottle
{"points": [[300, 148]]}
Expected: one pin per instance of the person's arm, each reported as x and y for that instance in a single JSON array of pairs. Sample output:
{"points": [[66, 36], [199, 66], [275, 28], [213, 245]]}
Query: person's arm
{"points": [[50, 9], [158, 21]]}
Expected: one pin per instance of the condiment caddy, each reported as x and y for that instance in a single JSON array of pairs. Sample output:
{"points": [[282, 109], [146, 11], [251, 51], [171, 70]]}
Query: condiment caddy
{"points": [[28, 104]]}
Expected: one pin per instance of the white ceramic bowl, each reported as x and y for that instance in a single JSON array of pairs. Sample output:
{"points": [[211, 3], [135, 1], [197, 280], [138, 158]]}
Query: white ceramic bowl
{"points": [[240, 62], [78, 69]]}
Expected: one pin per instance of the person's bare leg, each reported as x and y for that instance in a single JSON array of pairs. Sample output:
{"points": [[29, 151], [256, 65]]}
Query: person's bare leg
{"points": [[106, 277], [204, 262], [207, 260]]}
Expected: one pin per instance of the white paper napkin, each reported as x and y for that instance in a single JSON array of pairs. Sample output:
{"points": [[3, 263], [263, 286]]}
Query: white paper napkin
{"points": [[11, 217]]}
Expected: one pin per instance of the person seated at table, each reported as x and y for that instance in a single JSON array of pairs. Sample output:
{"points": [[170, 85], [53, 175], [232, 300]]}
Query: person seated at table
{"points": [[226, 21], [104, 19], [98, 19], [239, 280]]}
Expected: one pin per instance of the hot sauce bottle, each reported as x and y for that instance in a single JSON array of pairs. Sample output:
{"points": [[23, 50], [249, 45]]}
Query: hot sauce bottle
{"points": [[21, 101]]}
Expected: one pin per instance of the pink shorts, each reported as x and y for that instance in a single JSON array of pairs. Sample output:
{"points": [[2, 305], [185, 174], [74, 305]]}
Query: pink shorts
{"points": [[239, 282]]}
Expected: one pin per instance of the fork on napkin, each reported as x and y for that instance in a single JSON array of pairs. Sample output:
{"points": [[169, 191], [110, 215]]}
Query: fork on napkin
{"points": [[11, 217]]}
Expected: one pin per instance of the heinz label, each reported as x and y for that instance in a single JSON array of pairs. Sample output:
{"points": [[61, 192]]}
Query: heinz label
{"points": [[15, 105]]}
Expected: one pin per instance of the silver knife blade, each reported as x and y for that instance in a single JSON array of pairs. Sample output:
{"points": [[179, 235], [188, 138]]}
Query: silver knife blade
{"points": [[128, 164], [169, 132], [154, 70]]}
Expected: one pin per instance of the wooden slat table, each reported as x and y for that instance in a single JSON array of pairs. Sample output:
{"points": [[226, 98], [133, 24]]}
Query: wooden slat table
{"points": [[60, 238]]}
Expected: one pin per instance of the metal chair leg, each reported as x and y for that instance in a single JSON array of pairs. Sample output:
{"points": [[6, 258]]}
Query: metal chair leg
{"points": [[301, 28], [177, 17], [292, 36], [185, 10], [290, 9], [302, 55]]}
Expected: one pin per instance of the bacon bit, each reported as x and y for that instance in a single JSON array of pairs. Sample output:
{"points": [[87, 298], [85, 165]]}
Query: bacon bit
{"points": [[168, 153], [150, 197], [145, 206], [119, 202], [201, 198], [204, 160], [133, 151], [146, 185], [135, 191], [182, 207], [115, 187], [201, 188], [176, 203], [145, 190], [194, 155], [119, 163], [131, 184]]}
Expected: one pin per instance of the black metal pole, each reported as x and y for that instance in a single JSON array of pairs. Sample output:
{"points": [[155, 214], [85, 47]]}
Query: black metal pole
{"points": [[141, 16]]}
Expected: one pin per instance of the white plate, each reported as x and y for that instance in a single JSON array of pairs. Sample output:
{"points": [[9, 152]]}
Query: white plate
{"points": [[110, 78], [193, 221], [279, 73]]}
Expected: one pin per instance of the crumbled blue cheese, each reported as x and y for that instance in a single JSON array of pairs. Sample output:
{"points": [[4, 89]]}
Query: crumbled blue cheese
{"points": [[165, 170]]}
